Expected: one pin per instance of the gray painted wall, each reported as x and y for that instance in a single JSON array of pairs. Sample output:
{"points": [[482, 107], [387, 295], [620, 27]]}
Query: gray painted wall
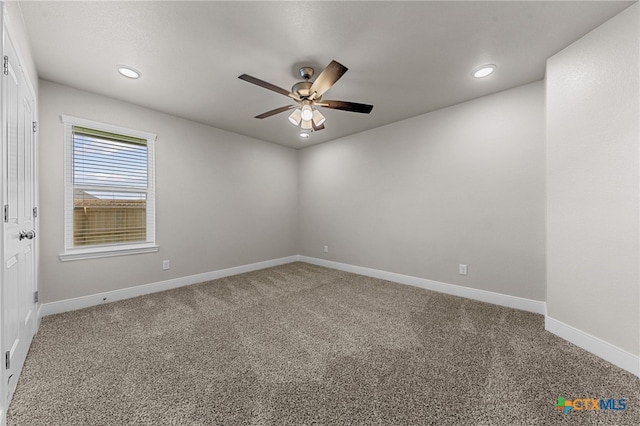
{"points": [[593, 250], [223, 200], [463, 184]]}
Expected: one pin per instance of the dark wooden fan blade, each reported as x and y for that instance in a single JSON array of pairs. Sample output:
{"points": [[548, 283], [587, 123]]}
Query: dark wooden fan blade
{"points": [[275, 111], [346, 106], [327, 78], [269, 86]]}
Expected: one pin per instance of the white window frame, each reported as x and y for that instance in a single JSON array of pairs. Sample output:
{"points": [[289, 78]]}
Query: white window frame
{"points": [[93, 252]]}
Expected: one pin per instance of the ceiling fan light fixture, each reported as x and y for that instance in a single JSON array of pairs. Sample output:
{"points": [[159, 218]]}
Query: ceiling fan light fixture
{"points": [[308, 95], [295, 117], [484, 70], [318, 118], [306, 113]]}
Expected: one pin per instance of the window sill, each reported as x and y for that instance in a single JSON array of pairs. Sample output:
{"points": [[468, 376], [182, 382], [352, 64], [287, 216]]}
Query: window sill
{"points": [[97, 253]]}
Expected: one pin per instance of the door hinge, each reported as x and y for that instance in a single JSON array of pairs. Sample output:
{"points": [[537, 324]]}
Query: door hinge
{"points": [[35, 212], [6, 65], [6, 213], [35, 126], [35, 297], [7, 360]]}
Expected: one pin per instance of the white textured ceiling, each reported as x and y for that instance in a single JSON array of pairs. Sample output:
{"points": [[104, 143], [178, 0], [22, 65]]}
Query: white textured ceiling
{"points": [[405, 58]]}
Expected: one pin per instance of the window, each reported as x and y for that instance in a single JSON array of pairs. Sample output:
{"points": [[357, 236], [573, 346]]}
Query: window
{"points": [[109, 190]]}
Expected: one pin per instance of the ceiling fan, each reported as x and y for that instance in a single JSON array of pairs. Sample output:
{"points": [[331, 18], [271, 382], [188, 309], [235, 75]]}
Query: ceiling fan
{"points": [[308, 97]]}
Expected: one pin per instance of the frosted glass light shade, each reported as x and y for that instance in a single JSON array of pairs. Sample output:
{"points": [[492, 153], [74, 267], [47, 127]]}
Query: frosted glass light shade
{"points": [[318, 118], [306, 113], [295, 117]]}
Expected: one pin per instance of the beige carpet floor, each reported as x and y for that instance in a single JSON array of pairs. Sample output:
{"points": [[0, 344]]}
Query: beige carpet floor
{"points": [[299, 344]]}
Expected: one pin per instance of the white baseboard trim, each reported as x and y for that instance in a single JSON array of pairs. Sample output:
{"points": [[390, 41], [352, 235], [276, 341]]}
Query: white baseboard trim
{"points": [[515, 302], [596, 346], [127, 293]]}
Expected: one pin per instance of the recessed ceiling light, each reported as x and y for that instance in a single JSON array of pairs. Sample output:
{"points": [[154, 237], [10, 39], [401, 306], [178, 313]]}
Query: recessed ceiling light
{"points": [[128, 72], [304, 135], [484, 70]]}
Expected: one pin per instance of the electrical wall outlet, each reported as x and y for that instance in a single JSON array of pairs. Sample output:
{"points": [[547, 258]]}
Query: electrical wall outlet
{"points": [[166, 265], [462, 269], [326, 249]]}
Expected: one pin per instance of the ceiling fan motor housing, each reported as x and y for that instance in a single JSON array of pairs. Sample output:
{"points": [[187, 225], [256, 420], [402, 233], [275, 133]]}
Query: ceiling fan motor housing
{"points": [[302, 89]]}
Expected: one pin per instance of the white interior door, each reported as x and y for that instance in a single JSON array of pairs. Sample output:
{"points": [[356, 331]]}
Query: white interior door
{"points": [[19, 260]]}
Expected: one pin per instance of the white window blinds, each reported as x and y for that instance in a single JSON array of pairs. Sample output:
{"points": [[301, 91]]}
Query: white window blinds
{"points": [[109, 198]]}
